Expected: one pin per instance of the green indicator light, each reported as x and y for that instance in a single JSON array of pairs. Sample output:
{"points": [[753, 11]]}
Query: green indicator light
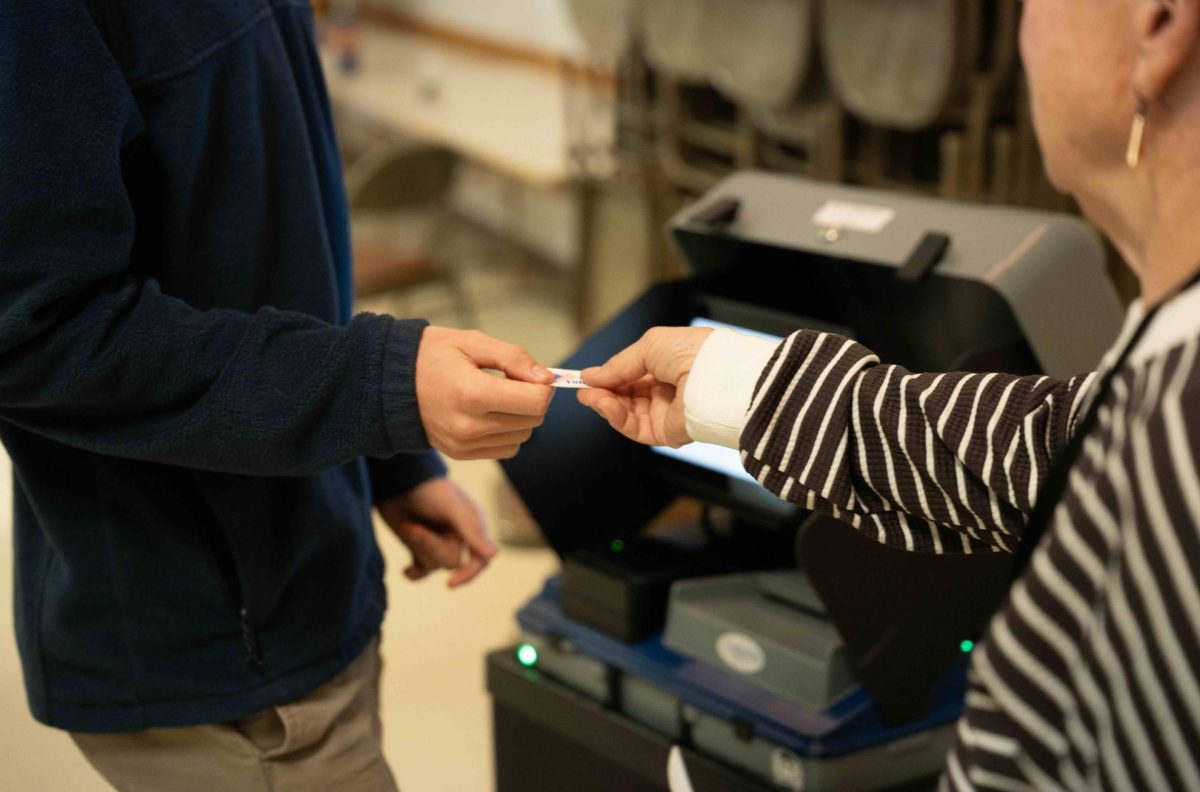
{"points": [[967, 646], [616, 545], [527, 655]]}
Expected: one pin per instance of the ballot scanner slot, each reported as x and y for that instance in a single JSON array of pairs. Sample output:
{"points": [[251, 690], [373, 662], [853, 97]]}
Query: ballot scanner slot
{"points": [[765, 320]]}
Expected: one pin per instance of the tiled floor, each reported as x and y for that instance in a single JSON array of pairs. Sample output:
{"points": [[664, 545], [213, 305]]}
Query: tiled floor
{"points": [[436, 715]]}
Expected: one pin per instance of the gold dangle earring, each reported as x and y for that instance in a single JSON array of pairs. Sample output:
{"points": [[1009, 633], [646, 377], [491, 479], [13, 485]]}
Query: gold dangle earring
{"points": [[1133, 154]]}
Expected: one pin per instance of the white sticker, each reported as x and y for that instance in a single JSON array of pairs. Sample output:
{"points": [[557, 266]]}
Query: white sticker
{"points": [[787, 770], [741, 653], [847, 216], [567, 378]]}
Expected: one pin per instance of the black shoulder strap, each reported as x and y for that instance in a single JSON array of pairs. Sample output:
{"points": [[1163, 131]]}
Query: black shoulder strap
{"points": [[109, 17]]}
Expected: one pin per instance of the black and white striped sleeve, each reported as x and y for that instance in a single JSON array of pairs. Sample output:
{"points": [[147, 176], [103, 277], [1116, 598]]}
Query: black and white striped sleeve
{"points": [[925, 462]]}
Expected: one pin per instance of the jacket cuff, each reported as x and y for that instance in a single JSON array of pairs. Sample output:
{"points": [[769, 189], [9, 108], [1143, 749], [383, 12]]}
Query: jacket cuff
{"points": [[401, 416], [401, 473], [721, 386]]}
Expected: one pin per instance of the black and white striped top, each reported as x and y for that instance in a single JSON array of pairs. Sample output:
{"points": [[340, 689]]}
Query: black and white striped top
{"points": [[1088, 676]]}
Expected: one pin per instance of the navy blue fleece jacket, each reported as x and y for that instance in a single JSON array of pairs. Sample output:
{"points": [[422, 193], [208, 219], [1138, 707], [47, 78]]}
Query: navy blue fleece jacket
{"points": [[188, 406]]}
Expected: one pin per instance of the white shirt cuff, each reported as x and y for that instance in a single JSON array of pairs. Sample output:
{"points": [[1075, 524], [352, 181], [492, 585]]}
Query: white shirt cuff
{"points": [[721, 386]]}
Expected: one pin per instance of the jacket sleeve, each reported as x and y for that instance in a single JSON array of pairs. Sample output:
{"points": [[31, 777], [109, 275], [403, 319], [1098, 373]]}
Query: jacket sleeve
{"points": [[928, 462], [94, 355], [401, 473]]}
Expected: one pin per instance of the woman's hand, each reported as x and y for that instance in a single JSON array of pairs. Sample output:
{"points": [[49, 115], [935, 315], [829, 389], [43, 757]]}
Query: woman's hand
{"points": [[640, 390]]}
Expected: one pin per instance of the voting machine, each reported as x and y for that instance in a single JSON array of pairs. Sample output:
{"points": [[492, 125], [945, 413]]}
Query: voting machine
{"points": [[785, 650]]}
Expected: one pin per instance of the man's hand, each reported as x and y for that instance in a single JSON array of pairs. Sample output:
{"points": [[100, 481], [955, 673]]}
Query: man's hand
{"points": [[468, 414], [640, 390], [437, 521]]}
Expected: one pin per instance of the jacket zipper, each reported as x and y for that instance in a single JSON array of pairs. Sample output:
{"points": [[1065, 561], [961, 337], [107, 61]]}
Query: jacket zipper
{"points": [[227, 571], [250, 643]]}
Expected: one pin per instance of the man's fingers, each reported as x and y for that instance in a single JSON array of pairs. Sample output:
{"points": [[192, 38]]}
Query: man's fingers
{"points": [[433, 550], [468, 571], [469, 525], [485, 394], [513, 360], [499, 452], [506, 422], [505, 439], [483, 439]]}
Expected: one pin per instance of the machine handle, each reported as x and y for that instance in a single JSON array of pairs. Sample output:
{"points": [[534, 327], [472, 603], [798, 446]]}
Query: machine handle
{"points": [[928, 253], [720, 213]]}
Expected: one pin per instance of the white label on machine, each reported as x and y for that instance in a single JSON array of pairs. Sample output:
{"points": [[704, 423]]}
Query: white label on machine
{"points": [[787, 770], [741, 653], [847, 216]]}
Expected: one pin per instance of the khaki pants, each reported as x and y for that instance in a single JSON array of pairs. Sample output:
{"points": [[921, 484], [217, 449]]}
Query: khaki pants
{"points": [[330, 740]]}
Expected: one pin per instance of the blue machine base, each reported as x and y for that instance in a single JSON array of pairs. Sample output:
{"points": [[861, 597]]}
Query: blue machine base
{"points": [[851, 724]]}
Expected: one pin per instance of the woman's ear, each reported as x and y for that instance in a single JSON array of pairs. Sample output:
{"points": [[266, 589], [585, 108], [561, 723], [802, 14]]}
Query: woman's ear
{"points": [[1167, 34]]}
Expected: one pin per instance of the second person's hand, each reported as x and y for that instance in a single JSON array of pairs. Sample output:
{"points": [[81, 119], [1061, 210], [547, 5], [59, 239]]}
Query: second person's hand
{"points": [[640, 390], [469, 414]]}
